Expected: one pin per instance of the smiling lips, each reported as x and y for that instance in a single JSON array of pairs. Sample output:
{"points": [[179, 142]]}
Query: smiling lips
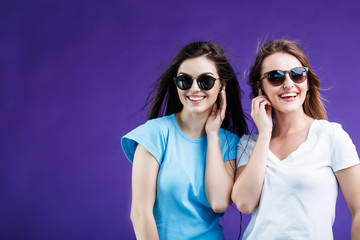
{"points": [[288, 96], [196, 99]]}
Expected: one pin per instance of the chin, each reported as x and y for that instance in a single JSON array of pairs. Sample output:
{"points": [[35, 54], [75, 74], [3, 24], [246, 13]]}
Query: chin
{"points": [[290, 109], [198, 110]]}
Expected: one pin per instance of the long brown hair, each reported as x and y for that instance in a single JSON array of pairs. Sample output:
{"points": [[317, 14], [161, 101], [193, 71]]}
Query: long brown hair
{"points": [[164, 98], [313, 105]]}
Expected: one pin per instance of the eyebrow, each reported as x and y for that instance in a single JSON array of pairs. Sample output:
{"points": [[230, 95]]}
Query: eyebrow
{"points": [[205, 73]]}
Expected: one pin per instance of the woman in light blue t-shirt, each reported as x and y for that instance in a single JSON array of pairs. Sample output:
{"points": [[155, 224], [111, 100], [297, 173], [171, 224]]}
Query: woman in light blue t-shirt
{"points": [[184, 155], [289, 172]]}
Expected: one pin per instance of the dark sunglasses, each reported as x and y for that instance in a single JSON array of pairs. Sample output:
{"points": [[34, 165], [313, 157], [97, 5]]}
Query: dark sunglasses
{"points": [[205, 82], [277, 77]]}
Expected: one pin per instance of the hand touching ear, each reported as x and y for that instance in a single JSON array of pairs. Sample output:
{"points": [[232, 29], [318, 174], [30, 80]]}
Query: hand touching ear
{"points": [[261, 113], [217, 115]]}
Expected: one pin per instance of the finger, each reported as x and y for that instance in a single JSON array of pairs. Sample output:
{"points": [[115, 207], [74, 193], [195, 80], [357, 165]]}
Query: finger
{"points": [[266, 101], [261, 97], [268, 109], [253, 103], [262, 105], [213, 109], [256, 103]]}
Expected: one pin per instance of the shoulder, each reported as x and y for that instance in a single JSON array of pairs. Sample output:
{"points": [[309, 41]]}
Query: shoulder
{"points": [[326, 125], [228, 142], [247, 141], [161, 122], [244, 148], [335, 135], [152, 135], [225, 135], [330, 129], [343, 150], [154, 126]]}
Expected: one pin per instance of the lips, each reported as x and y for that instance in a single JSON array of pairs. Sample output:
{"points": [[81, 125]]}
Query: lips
{"points": [[196, 98], [288, 95]]}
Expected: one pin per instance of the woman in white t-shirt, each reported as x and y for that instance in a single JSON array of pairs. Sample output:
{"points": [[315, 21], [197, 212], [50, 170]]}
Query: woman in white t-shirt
{"points": [[289, 172]]}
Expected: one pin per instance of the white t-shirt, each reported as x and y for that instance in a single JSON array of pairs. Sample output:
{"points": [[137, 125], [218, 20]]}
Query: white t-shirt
{"points": [[299, 193]]}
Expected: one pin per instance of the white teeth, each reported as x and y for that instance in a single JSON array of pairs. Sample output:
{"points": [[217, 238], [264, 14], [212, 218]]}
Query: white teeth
{"points": [[196, 98], [288, 95]]}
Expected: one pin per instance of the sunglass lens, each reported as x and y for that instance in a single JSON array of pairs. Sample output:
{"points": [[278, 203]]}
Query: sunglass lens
{"points": [[206, 82], [298, 75], [183, 82], [276, 77]]}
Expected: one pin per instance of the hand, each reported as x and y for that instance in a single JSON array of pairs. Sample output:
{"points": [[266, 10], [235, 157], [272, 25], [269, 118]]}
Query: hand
{"points": [[261, 114], [216, 117]]}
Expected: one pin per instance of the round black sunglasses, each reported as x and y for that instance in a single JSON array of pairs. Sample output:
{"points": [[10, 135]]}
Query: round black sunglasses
{"points": [[277, 77], [205, 82]]}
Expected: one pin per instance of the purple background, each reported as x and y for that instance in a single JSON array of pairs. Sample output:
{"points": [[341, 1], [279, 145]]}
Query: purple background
{"points": [[75, 74]]}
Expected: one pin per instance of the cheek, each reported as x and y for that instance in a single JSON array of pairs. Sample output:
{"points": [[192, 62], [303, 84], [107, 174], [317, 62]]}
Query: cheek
{"points": [[305, 87], [181, 96], [214, 95], [266, 91]]}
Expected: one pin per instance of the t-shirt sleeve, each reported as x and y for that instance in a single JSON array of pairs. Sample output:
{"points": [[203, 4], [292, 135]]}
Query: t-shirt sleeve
{"points": [[244, 149], [344, 153], [149, 135], [228, 148]]}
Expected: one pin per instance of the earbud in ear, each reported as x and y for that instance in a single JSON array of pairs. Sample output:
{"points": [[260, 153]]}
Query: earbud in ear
{"points": [[260, 92], [221, 87]]}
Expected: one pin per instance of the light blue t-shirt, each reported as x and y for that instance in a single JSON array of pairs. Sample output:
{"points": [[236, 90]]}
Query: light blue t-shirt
{"points": [[181, 208]]}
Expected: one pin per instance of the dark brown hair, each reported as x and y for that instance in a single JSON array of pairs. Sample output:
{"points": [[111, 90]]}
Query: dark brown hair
{"points": [[165, 100], [313, 105]]}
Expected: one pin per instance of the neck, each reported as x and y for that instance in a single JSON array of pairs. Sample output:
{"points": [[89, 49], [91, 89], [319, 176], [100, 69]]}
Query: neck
{"points": [[192, 124], [287, 123]]}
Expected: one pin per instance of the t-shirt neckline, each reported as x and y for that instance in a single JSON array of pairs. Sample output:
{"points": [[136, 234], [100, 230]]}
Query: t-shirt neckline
{"points": [[199, 140], [298, 150]]}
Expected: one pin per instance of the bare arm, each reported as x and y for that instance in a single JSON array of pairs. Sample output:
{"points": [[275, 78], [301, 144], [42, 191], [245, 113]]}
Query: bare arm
{"points": [[144, 178], [349, 180], [219, 176], [249, 179]]}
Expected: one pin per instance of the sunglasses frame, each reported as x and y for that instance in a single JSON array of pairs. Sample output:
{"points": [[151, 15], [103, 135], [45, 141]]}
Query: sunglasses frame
{"points": [[265, 75], [197, 81]]}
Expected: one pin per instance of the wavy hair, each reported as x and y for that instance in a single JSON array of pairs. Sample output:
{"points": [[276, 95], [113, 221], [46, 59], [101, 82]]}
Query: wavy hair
{"points": [[313, 105]]}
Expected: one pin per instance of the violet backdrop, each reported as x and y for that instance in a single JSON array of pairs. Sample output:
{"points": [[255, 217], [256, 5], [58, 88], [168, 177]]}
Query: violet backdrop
{"points": [[75, 76]]}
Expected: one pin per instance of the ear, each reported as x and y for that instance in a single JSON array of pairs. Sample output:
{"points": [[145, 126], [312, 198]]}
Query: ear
{"points": [[259, 88], [222, 84]]}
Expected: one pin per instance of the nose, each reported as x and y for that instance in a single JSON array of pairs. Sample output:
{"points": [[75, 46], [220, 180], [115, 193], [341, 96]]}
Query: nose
{"points": [[288, 83], [194, 86]]}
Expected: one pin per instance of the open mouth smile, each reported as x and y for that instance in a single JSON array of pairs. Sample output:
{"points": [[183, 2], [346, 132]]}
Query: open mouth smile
{"points": [[196, 99], [288, 95]]}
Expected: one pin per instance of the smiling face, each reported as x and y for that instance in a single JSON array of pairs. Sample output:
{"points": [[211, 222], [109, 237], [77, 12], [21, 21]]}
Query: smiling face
{"points": [[289, 96], [196, 100]]}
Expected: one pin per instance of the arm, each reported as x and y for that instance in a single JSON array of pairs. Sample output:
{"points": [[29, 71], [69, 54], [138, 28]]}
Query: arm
{"points": [[349, 181], [249, 179], [144, 178], [219, 176]]}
